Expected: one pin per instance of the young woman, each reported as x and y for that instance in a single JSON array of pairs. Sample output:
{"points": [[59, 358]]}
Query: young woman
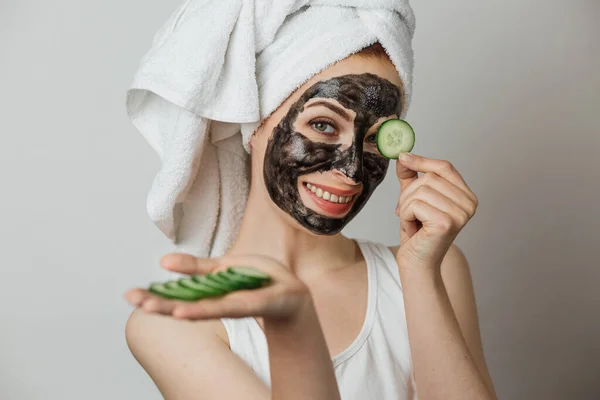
{"points": [[343, 318]]}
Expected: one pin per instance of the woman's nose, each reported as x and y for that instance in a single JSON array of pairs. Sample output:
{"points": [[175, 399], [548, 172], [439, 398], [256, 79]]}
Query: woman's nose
{"points": [[344, 178], [350, 167]]}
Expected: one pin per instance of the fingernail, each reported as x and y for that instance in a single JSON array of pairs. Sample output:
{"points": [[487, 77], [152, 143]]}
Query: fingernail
{"points": [[405, 157]]}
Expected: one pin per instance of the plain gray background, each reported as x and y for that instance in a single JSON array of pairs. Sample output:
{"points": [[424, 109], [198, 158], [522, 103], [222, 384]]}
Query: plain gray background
{"points": [[509, 91]]}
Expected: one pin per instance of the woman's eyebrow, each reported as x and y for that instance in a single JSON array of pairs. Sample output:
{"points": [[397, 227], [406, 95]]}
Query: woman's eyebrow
{"points": [[332, 107]]}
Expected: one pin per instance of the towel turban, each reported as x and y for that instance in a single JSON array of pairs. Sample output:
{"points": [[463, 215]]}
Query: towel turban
{"points": [[216, 69]]}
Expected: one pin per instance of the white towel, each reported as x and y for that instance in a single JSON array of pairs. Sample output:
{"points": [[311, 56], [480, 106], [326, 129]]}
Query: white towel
{"points": [[216, 69]]}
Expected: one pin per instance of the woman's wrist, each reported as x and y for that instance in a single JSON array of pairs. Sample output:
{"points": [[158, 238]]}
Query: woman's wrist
{"points": [[302, 311], [417, 270], [301, 366]]}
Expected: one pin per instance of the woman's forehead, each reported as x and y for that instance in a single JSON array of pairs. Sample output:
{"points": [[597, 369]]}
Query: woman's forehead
{"points": [[362, 93]]}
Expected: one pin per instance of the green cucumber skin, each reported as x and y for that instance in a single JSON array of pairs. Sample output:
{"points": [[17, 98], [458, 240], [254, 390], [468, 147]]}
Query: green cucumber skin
{"points": [[196, 286], [181, 292], [248, 283], [239, 284], [204, 290], [406, 131], [249, 272], [211, 283], [162, 292], [218, 279]]}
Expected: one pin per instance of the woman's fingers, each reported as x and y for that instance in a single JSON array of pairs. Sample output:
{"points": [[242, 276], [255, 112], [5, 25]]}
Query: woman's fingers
{"points": [[433, 218], [431, 180], [189, 264], [443, 168], [437, 200], [149, 302], [159, 305], [232, 305], [137, 296], [405, 175]]}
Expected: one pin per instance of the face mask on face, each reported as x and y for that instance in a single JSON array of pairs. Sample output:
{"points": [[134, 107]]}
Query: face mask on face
{"points": [[290, 154]]}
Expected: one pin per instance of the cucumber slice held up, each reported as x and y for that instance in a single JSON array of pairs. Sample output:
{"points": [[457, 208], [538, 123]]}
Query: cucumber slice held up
{"points": [[395, 136]]}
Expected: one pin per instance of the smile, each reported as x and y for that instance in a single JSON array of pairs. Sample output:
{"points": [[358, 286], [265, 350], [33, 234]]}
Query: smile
{"points": [[321, 193]]}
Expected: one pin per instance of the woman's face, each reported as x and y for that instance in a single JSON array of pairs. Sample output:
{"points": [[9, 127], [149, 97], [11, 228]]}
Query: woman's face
{"points": [[321, 162]]}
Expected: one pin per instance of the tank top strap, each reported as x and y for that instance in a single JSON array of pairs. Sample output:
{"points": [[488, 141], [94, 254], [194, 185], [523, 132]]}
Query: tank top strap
{"points": [[383, 256]]}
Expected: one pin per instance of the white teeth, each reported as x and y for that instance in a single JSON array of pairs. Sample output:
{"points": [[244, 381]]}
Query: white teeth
{"points": [[328, 196]]}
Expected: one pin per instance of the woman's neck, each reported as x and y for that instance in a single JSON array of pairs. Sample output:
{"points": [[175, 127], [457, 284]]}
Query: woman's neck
{"points": [[268, 231]]}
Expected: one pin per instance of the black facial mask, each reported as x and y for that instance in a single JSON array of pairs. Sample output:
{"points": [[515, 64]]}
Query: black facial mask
{"points": [[290, 154]]}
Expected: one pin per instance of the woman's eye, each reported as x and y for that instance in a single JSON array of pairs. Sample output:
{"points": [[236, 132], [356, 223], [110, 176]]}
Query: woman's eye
{"points": [[372, 138], [323, 127]]}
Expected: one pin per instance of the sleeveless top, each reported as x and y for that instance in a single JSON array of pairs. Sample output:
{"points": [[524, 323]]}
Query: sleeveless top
{"points": [[377, 365]]}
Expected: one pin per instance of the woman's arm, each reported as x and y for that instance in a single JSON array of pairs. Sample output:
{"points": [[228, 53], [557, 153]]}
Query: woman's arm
{"points": [[301, 367], [187, 360], [433, 208], [444, 332]]}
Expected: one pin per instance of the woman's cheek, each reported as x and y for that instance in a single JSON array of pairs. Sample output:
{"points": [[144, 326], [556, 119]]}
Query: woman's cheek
{"points": [[375, 166]]}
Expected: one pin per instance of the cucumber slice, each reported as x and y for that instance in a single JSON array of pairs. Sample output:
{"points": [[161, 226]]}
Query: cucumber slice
{"points": [[159, 289], [231, 286], [395, 136], [203, 290], [251, 273], [181, 292], [173, 290], [249, 283], [212, 284], [238, 282]]}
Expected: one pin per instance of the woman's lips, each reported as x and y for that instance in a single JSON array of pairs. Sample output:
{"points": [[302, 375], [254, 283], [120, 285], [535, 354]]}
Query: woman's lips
{"points": [[337, 209]]}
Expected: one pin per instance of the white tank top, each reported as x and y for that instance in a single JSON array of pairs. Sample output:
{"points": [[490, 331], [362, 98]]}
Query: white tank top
{"points": [[377, 365]]}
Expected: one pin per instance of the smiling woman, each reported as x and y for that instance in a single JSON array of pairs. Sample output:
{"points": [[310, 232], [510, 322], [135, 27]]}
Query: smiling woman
{"points": [[298, 152], [342, 318]]}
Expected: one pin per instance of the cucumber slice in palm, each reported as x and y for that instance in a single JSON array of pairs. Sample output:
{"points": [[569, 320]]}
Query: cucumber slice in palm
{"points": [[251, 273], [395, 136], [181, 293], [202, 279], [159, 289], [202, 289], [211, 285], [240, 284], [248, 283], [231, 286]]}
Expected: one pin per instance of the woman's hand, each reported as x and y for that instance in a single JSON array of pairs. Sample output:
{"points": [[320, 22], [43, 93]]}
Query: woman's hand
{"points": [[280, 300], [433, 208]]}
